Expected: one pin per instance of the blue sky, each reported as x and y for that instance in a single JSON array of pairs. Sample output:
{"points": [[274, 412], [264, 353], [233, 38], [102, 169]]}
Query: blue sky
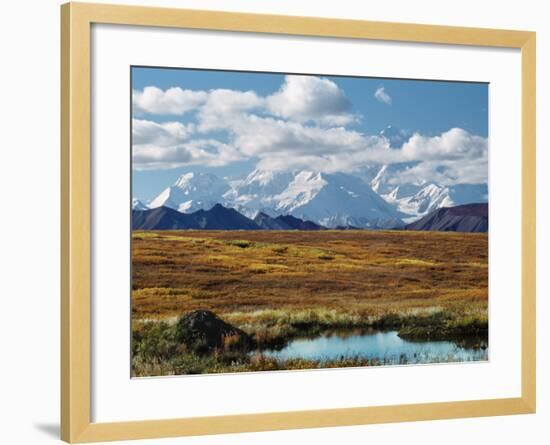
{"points": [[268, 120]]}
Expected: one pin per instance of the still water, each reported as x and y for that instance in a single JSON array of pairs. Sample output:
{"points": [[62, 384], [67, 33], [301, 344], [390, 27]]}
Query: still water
{"points": [[385, 347]]}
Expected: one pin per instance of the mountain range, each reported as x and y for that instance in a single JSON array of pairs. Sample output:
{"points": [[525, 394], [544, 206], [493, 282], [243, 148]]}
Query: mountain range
{"points": [[465, 218], [372, 198], [166, 218], [217, 218]]}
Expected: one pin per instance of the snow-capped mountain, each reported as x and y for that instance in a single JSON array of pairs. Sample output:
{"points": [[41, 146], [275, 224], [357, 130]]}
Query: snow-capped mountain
{"points": [[335, 200], [138, 205], [327, 199], [419, 200], [331, 200], [387, 177], [258, 192], [191, 192]]}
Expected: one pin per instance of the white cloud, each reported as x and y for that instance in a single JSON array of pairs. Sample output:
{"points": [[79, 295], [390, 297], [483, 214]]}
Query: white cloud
{"points": [[205, 152], [453, 144], [163, 134], [456, 156], [152, 156], [300, 98], [310, 98], [224, 106], [453, 157], [259, 136], [173, 101], [229, 101], [381, 96], [471, 171], [302, 125], [168, 145]]}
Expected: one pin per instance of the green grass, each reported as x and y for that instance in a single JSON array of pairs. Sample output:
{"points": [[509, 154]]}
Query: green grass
{"points": [[156, 347]]}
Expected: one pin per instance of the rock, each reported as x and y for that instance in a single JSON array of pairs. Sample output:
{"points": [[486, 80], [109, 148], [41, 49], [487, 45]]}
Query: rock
{"points": [[202, 331]]}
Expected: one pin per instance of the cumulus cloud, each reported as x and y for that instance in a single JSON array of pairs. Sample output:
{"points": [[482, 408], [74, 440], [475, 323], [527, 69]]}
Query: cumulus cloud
{"points": [[173, 101], [302, 125], [310, 98], [453, 144], [163, 134], [168, 145], [471, 171], [300, 98], [381, 96], [453, 157], [205, 152], [224, 106], [261, 137], [456, 156]]}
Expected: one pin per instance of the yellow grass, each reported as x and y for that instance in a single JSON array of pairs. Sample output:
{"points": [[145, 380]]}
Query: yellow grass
{"points": [[350, 273]]}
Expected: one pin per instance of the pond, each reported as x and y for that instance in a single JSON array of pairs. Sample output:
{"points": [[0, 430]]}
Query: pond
{"points": [[382, 347]]}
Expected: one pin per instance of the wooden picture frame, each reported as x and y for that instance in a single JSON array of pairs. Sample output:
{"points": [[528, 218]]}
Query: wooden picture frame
{"points": [[76, 21]]}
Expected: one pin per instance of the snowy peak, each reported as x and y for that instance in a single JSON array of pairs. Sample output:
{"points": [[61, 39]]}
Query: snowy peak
{"points": [[184, 180], [301, 190], [138, 205], [334, 200], [387, 177], [431, 196], [380, 179], [327, 199], [191, 192], [419, 200], [366, 199], [258, 189], [263, 178], [197, 182]]}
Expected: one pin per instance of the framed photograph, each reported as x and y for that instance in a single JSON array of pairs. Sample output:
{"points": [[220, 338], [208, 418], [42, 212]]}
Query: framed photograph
{"points": [[275, 222]]}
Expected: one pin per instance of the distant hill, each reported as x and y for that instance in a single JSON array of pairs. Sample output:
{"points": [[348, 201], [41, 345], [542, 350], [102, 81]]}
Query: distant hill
{"points": [[298, 224], [463, 218], [217, 218], [266, 222], [222, 218], [161, 218]]}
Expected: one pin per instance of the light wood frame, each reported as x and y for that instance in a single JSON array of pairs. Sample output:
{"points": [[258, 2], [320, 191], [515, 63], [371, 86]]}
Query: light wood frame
{"points": [[76, 21]]}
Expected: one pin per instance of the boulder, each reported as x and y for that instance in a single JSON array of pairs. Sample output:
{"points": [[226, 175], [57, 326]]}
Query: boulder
{"points": [[203, 331]]}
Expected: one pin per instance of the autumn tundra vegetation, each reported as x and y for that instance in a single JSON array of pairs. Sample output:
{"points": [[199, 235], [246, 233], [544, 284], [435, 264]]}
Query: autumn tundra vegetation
{"points": [[212, 301]]}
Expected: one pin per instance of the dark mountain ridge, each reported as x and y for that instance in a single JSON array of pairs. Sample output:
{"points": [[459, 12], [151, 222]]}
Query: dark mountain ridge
{"points": [[160, 218], [299, 224], [217, 218], [463, 218], [222, 218], [267, 222]]}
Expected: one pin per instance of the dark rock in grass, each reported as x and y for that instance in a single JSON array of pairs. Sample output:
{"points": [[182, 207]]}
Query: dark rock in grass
{"points": [[202, 331]]}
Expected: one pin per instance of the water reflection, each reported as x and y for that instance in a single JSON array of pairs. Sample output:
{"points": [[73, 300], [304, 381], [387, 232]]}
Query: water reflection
{"points": [[385, 347]]}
